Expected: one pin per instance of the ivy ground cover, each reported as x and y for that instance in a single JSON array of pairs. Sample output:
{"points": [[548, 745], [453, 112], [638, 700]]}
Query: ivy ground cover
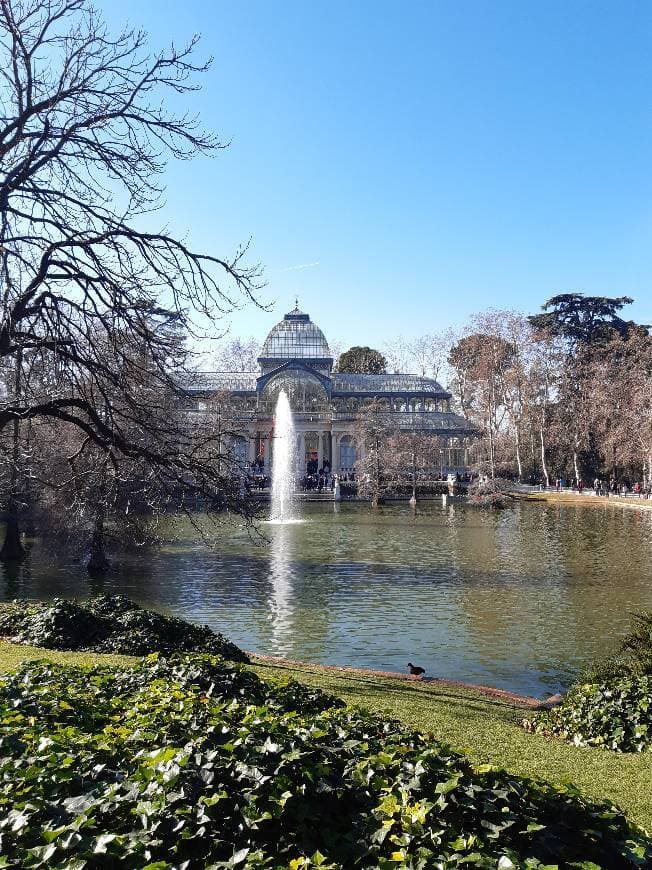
{"points": [[614, 715], [194, 762], [108, 624]]}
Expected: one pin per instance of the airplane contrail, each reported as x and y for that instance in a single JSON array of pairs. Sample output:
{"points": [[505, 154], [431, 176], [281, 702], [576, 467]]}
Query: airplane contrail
{"points": [[295, 268]]}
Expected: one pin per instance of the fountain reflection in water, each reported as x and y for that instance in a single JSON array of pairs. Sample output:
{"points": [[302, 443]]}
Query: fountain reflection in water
{"points": [[281, 601], [283, 468]]}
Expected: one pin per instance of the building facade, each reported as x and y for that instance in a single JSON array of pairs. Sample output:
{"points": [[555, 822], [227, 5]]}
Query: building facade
{"points": [[326, 405]]}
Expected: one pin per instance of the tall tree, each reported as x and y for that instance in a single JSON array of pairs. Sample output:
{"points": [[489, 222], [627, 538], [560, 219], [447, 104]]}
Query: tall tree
{"points": [[621, 405], [481, 361], [362, 360], [84, 139], [585, 325], [583, 319]]}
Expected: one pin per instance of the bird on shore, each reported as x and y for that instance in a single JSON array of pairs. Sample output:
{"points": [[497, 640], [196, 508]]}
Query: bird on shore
{"points": [[415, 670]]}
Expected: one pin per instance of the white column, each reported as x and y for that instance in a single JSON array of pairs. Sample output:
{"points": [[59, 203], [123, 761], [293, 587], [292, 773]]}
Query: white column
{"points": [[335, 453], [320, 450], [302, 454], [252, 447]]}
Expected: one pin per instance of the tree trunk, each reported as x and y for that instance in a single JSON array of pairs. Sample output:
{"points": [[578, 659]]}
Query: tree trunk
{"points": [[544, 468], [492, 468], [375, 498], [575, 466], [12, 548], [533, 458], [518, 455], [98, 562], [413, 500]]}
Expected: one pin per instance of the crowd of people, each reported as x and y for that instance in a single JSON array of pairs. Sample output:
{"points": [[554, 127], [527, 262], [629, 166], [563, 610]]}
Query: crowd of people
{"points": [[256, 477], [315, 479], [603, 487], [321, 479]]}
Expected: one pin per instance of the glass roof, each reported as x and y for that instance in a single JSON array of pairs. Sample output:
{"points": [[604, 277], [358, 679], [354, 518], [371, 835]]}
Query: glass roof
{"points": [[343, 384], [236, 382], [296, 337], [396, 383], [426, 421]]}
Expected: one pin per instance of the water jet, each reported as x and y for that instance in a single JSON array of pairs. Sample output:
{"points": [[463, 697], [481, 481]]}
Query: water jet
{"points": [[283, 463]]}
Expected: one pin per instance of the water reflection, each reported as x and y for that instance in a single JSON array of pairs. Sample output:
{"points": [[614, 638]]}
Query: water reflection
{"points": [[521, 599], [12, 573], [281, 608]]}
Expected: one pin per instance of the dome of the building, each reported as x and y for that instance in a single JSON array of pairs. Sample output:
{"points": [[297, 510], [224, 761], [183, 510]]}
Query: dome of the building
{"points": [[295, 337]]}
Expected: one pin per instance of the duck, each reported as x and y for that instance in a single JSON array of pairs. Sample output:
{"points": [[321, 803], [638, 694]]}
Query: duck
{"points": [[415, 670]]}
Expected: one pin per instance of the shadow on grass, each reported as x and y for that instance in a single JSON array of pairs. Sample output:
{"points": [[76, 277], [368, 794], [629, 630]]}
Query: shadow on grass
{"points": [[363, 690]]}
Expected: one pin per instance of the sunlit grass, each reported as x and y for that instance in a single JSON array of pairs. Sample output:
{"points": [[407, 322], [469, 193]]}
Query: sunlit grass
{"points": [[13, 654]]}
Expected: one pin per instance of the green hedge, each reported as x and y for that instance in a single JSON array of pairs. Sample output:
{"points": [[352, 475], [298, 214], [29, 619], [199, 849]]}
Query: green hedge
{"points": [[108, 624], [614, 715], [193, 762]]}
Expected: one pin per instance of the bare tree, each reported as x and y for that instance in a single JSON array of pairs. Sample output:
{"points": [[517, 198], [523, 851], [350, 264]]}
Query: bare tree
{"points": [[397, 354], [84, 139], [375, 435], [425, 355], [416, 457], [621, 403], [238, 355]]}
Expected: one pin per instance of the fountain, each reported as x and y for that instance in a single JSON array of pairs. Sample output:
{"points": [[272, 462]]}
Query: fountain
{"points": [[283, 468]]}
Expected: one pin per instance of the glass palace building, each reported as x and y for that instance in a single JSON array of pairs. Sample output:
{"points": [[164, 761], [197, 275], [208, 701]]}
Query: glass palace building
{"points": [[325, 404]]}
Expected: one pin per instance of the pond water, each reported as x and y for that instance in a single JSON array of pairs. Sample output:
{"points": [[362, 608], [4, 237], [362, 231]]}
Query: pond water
{"points": [[521, 599]]}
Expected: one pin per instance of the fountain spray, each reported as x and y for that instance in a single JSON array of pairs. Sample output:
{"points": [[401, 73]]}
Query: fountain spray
{"points": [[283, 468]]}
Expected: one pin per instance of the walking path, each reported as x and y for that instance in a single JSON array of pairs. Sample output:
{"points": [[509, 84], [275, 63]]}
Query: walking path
{"points": [[569, 496]]}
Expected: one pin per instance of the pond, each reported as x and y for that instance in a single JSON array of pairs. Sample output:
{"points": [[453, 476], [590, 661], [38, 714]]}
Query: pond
{"points": [[521, 599]]}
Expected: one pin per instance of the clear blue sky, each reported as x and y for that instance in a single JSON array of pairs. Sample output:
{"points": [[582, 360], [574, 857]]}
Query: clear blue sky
{"points": [[435, 158]]}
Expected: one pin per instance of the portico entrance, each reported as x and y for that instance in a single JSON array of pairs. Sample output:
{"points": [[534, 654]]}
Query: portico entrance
{"points": [[314, 451]]}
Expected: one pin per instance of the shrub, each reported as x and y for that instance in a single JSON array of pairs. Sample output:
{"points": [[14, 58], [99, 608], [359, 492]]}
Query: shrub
{"points": [[611, 705], [192, 762], [110, 624], [491, 493], [634, 658], [614, 715]]}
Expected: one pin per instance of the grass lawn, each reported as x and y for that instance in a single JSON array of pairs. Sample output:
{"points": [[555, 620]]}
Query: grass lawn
{"points": [[12, 654], [486, 728]]}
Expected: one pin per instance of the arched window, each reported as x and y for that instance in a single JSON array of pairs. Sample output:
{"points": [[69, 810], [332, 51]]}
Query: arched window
{"points": [[347, 453], [304, 391]]}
